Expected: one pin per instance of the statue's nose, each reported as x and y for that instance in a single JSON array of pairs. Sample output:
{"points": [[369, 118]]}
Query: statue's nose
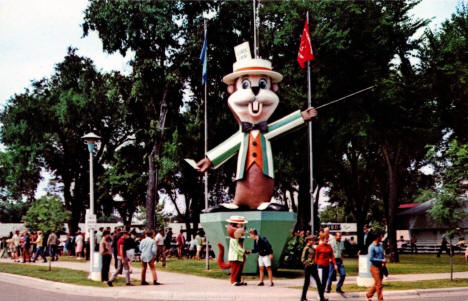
{"points": [[255, 90]]}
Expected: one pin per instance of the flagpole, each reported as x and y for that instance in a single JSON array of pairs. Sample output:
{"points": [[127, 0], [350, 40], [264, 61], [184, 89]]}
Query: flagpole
{"points": [[255, 28], [311, 155], [207, 256]]}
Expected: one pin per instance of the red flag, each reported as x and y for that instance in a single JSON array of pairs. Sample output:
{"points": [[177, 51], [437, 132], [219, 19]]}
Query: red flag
{"points": [[305, 53]]}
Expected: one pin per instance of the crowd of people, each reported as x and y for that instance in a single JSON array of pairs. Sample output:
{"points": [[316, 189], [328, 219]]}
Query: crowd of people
{"points": [[119, 245], [25, 246], [322, 258]]}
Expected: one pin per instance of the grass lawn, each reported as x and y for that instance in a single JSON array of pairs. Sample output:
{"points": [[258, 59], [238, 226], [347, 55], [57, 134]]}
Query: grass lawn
{"points": [[415, 264], [408, 285], [409, 264], [189, 266], [56, 274], [70, 258], [198, 268]]}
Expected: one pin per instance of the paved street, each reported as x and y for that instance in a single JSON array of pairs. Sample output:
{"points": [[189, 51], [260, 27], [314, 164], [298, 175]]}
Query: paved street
{"points": [[14, 292]]}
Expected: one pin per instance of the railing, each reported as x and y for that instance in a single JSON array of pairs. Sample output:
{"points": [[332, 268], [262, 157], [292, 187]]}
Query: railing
{"points": [[430, 247]]}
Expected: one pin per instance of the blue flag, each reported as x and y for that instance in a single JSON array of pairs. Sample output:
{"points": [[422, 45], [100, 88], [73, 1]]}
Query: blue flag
{"points": [[203, 59]]}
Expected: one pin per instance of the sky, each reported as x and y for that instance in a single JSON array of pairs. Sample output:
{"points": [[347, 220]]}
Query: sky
{"points": [[35, 35]]}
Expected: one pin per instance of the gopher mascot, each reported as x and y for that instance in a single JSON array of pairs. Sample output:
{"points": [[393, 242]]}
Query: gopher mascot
{"points": [[252, 86], [236, 252]]}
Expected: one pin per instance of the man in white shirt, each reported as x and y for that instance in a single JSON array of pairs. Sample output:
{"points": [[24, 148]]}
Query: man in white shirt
{"points": [[338, 247], [161, 249]]}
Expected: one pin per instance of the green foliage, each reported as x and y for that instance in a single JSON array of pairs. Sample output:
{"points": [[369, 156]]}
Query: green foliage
{"points": [[42, 128], [450, 159], [12, 211], [291, 257], [46, 214], [333, 214], [448, 209], [443, 60]]}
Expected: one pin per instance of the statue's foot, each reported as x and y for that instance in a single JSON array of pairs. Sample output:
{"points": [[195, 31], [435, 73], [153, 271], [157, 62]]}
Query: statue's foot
{"points": [[224, 207], [272, 207], [227, 207]]}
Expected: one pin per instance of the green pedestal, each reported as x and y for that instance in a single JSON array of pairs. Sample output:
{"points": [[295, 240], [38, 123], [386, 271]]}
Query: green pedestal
{"points": [[274, 225]]}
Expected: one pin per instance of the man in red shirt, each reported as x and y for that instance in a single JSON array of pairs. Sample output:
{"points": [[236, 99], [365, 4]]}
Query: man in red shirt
{"points": [[323, 257], [122, 258], [180, 244]]}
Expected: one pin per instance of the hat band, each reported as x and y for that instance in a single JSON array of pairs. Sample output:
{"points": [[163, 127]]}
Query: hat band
{"points": [[252, 68], [237, 221]]}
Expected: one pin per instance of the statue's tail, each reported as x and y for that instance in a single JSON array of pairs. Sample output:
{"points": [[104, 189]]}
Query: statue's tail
{"points": [[223, 265]]}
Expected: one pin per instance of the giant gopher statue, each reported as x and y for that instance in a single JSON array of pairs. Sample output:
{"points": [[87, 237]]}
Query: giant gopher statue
{"points": [[252, 86]]}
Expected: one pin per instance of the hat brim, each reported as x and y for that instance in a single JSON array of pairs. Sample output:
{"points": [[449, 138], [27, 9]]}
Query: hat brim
{"points": [[230, 78], [237, 221]]}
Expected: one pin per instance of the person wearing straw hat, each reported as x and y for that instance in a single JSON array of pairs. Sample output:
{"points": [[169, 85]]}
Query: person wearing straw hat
{"points": [[236, 253], [252, 86]]}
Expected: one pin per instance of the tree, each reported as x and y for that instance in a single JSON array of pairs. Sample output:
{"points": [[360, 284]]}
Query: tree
{"points": [[153, 31], [450, 161], [46, 214], [44, 126], [443, 60], [333, 214]]}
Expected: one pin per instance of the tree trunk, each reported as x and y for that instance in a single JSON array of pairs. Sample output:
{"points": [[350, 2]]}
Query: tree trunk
{"points": [[71, 205], [392, 169], [303, 206], [152, 188]]}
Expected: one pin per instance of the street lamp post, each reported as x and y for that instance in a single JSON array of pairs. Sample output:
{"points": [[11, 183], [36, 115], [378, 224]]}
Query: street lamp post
{"points": [[91, 139]]}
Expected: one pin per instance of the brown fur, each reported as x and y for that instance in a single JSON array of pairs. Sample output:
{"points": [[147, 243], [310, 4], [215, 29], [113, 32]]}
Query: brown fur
{"points": [[254, 189]]}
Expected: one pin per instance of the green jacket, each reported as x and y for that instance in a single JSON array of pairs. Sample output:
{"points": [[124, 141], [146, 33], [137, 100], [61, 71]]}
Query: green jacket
{"points": [[308, 256], [236, 252], [239, 142]]}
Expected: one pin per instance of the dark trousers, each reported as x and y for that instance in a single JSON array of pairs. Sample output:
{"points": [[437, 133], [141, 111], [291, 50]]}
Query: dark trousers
{"points": [[115, 258], [106, 260], [332, 274], [236, 271], [39, 252], [442, 248], [309, 271], [53, 252], [323, 272]]}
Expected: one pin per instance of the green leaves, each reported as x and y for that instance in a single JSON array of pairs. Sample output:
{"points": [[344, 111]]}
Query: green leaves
{"points": [[46, 214]]}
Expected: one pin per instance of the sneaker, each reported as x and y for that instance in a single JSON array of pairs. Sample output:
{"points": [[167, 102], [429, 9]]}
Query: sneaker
{"points": [[243, 283], [156, 283], [260, 284], [109, 283], [272, 284], [340, 291], [237, 284], [144, 283], [128, 284]]}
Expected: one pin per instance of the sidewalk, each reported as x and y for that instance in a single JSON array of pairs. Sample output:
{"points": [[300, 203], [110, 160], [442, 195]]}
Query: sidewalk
{"points": [[177, 286]]}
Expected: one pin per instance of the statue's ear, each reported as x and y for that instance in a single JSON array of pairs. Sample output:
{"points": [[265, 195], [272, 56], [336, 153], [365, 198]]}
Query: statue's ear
{"points": [[274, 87], [230, 89]]}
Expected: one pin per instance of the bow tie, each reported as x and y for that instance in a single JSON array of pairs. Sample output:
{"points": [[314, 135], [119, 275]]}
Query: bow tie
{"points": [[247, 126]]}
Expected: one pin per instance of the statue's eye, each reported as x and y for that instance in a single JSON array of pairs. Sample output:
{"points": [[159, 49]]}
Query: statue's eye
{"points": [[263, 84], [245, 84]]}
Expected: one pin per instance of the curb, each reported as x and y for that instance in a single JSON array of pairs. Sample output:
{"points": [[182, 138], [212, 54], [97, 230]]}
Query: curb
{"points": [[403, 293]]}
